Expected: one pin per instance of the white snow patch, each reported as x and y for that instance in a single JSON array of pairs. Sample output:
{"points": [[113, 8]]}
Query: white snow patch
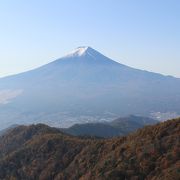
{"points": [[80, 51]]}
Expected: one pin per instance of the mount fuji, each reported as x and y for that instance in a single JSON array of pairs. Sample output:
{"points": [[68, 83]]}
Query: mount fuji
{"points": [[85, 86]]}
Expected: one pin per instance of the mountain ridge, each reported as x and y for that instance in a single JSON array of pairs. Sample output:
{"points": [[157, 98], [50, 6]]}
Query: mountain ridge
{"points": [[118, 127], [41, 152], [83, 51]]}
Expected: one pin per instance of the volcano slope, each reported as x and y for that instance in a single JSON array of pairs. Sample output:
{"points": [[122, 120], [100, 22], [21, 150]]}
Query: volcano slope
{"points": [[85, 86]]}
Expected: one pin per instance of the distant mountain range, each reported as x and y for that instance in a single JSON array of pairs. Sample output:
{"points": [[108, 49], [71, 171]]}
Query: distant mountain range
{"points": [[40, 152], [118, 127], [85, 86]]}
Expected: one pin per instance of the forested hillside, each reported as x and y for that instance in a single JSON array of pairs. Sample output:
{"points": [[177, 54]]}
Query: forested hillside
{"points": [[40, 152]]}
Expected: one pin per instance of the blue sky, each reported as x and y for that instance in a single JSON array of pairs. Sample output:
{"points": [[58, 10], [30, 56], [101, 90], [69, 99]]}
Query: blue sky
{"points": [[142, 34]]}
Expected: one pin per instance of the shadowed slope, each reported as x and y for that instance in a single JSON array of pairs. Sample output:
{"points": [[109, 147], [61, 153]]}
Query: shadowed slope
{"points": [[118, 127]]}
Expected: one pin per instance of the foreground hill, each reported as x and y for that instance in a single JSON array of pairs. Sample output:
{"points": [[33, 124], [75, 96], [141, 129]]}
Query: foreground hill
{"points": [[41, 152], [6, 130], [81, 86], [118, 127]]}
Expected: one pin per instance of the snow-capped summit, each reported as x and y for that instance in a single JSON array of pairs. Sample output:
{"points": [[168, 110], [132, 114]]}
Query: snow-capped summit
{"points": [[88, 55], [80, 51]]}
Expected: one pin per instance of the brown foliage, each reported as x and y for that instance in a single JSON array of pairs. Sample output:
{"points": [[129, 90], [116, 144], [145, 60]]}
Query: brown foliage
{"points": [[41, 152]]}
